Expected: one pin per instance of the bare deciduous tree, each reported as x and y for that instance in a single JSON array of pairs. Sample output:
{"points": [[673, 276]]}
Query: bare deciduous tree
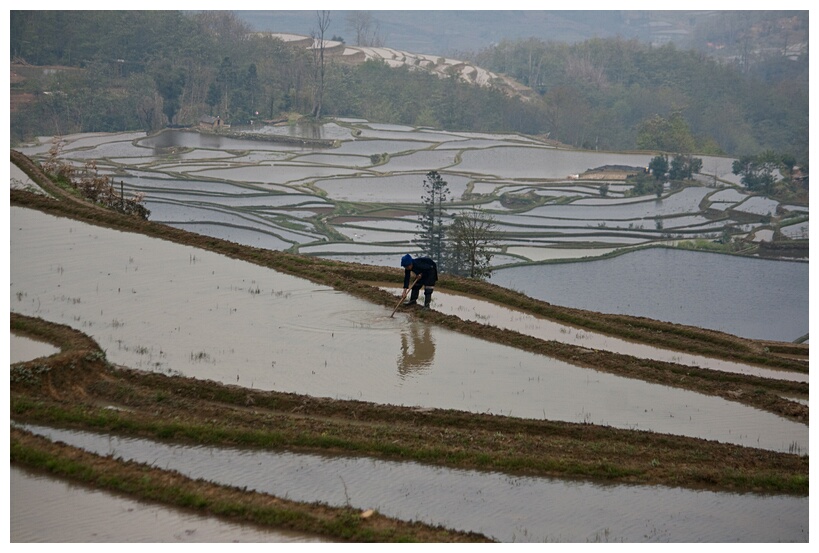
{"points": [[365, 28], [319, 45], [472, 241]]}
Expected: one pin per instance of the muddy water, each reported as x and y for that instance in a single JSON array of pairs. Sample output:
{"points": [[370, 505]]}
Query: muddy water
{"points": [[46, 510], [160, 306], [474, 309], [23, 349], [506, 508]]}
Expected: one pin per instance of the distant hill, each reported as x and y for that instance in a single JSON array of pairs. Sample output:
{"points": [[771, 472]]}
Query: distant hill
{"points": [[719, 33], [438, 65]]}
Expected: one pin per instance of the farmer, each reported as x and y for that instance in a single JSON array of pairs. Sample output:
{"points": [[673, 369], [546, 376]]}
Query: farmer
{"points": [[427, 272]]}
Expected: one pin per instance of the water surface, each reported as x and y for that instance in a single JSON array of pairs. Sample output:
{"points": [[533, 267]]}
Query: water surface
{"points": [[752, 298], [48, 510], [159, 306], [504, 507]]}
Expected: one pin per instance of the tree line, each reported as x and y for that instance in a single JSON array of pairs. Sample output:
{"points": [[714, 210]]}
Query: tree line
{"points": [[148, 70], [618, 94]]}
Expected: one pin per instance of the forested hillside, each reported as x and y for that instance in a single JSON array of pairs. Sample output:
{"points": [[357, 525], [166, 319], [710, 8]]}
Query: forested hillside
{"points": [[118, 70]]}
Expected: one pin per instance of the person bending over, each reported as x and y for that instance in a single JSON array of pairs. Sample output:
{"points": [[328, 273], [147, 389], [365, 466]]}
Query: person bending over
{"points": [[427, 269]]}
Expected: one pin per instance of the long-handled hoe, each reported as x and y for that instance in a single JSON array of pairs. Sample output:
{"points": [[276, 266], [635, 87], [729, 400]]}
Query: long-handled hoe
{"points": [[404, 295]]}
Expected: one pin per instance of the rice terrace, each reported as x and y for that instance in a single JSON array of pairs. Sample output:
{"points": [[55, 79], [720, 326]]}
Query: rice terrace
{"points": [[204, 340]]}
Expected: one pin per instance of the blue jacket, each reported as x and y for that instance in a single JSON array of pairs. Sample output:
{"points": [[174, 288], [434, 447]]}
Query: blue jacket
{"points": [[425, 267]]}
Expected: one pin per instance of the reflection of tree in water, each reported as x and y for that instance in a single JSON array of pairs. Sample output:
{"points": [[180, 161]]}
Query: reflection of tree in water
{"points": [[417, 349]]}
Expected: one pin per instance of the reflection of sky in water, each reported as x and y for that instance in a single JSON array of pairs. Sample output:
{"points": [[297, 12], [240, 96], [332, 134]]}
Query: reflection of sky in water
{"points": [[431, 161], [251, 237], [722, 167], [370, 147], [799, 230], [408, 135], [722, 206], [23, 349], [507, 508], [275, 173], [188, 310], [110, 150], [390, 189], [190, 139], [184, 214], [758, 205], [484, 311], [531, 223], [355, 248], [537, 162], [379, 224], [249, 201], [764, 299], [194, 186], [727, 195], [86, 140], [340, 160], [75, 514], [389, 127], [513, 138], [475, 143], [394, 188], [263, 157], [331, 131], [685, 201], [369, 236]]}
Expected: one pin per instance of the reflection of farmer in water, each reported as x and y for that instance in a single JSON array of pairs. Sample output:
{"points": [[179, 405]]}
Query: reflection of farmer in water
{"points": [[417, 349], [427, 271]]}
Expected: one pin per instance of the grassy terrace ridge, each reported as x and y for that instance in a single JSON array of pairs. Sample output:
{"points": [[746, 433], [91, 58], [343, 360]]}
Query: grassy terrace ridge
{"points": [[232, 504], [77, 388], [351, 278]]}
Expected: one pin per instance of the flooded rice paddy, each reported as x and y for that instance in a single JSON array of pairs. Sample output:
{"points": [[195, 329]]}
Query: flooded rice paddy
{"points": [[478, 310], [167, 308], [753, 298], [504, 507], [23, 349], [164, 307], [278, 195], [75, 514]]}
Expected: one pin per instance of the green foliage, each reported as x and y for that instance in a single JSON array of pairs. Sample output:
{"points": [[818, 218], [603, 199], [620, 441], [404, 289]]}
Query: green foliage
{"points": [[670, 134], [758, 172], [127, 70], [431, 223], [603, 93], [376, 159], [645, 183], [684, 166], [658, 167]]}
